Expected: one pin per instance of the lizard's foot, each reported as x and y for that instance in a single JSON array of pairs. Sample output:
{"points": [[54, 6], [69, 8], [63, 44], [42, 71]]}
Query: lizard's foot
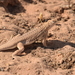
{"points": [[44, 42], [17, 56], [20, 50]]}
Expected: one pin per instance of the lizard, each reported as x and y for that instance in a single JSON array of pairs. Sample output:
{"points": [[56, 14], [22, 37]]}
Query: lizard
{"points": [[19, 41]]}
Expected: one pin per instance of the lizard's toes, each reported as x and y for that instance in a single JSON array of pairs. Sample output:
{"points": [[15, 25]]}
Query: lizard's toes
{"points": [[17, 56], [22, 54]]}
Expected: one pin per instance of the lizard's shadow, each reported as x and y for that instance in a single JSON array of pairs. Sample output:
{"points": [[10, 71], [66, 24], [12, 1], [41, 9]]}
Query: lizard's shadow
{"points": [[28, 48], [52, 44], [56, 44]]}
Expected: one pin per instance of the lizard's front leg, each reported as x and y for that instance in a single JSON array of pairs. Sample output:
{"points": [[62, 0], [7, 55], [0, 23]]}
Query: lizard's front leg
{"points": [[44, 41], [20, 47]]}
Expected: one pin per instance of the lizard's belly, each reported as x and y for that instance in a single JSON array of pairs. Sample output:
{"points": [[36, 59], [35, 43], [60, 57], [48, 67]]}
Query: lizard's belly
{"points": [[27, 42], [12, 47]]}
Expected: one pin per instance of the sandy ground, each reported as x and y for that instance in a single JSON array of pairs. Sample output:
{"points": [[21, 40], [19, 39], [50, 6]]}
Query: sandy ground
{"points": [[58, 58]]}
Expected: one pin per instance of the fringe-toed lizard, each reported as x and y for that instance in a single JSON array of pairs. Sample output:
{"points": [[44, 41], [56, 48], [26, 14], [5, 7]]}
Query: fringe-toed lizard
{"points": [[28, 38]]}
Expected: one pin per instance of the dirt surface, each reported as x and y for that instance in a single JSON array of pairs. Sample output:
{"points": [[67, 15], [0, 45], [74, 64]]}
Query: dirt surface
{"points": [[59, 57]]}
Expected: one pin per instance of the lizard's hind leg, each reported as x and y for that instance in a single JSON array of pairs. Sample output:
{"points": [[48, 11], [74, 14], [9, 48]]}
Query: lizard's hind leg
{"points": [[20, 47]]}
